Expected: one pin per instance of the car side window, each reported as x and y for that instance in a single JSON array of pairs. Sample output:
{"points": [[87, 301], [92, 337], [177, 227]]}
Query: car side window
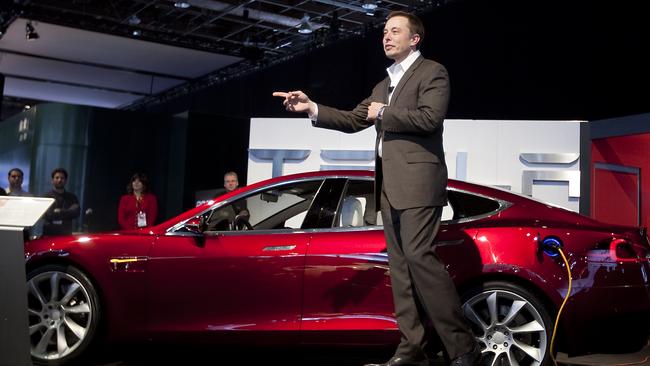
{"points": [[357, 208], [283, 207], [466, 205]]}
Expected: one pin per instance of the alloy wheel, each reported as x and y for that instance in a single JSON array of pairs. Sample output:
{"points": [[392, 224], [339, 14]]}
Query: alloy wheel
{"points": [[510, 328], [60, 314]]}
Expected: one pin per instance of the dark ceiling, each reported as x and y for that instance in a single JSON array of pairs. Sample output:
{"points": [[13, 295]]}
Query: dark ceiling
{"points": [[573, 59], [260, 32], [230, 27]]}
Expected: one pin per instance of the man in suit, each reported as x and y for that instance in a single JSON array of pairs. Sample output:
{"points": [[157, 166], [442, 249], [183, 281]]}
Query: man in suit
{"points": [[408, 108]]}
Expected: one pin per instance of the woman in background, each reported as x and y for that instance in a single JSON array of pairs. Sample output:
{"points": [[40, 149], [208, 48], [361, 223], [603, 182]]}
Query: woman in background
{"points": [[138, 208]]}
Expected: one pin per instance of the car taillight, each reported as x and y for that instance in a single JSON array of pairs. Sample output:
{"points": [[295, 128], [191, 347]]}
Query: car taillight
{"points": [[621, 250]]}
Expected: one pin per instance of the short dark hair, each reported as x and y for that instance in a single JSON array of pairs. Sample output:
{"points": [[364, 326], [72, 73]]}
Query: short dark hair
{"points": [[60, 170], [15, 170], [415, 23], [231, 173], [142, 178]]}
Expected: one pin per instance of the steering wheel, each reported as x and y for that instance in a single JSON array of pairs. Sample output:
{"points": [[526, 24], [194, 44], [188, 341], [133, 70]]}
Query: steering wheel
{"points": [[241, 223]]}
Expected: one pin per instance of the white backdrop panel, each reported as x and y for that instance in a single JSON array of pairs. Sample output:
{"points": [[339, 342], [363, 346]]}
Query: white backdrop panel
{"points": [[481, 151]]}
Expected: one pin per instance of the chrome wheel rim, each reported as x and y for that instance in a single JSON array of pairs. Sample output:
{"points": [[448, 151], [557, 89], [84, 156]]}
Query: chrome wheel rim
{"points": [[509, 328], [60, 314]]}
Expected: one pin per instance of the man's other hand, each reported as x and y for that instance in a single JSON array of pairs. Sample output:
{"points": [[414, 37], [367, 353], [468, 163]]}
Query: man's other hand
{"points": [[373, 111], [296, 101]]}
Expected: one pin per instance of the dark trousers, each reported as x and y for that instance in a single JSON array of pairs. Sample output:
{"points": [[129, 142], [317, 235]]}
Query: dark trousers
{"points": [[421, 285]]}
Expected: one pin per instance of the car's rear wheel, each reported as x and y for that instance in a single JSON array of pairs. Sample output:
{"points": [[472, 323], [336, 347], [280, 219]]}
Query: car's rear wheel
{"points": [[63, 309], [510, 323]]}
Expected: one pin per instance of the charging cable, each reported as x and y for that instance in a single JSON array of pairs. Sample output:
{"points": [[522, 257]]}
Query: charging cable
{"points": [[552, 247], [568, 293]]}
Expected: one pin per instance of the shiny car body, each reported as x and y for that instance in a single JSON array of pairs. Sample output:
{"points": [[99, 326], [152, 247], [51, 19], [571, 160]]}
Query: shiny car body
{"points": [[301, 259]]}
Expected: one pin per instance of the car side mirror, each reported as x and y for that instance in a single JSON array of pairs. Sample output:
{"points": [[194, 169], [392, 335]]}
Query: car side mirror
{"points": [[196, 225]]}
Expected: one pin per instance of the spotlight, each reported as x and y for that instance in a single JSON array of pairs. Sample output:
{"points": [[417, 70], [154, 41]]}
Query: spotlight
{"points": [[247, 42], [134, 20], [182, 4], [369, 5], [136, 33], [305, 27], [30, 32]]}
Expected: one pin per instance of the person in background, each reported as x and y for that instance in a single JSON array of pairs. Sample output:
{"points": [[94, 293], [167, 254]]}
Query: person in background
{"points": [[58, 218], [230, 183], [226, 217], [138, 207], [15, 178]]}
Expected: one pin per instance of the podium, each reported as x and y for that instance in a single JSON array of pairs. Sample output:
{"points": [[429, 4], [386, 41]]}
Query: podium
{"points": [[16, 214]]}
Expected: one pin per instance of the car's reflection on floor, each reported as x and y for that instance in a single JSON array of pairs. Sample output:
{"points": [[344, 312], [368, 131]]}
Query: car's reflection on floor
{"points": [[157, 355]]}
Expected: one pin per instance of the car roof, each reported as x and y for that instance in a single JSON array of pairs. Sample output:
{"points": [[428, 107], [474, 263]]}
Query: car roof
{"points": [[475, 188]]}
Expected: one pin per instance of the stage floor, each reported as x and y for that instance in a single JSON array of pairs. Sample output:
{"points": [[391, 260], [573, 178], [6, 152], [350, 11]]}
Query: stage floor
{"points": [[175, 355]]}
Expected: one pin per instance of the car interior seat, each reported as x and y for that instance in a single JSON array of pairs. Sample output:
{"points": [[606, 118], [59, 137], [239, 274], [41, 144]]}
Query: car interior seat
{"points": [[351, 212]]}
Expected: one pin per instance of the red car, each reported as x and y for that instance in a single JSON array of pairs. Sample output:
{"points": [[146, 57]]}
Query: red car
{"points": [[301, 259]]}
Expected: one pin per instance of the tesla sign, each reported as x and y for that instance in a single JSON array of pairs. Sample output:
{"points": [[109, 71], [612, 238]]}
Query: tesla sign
{"points": [[536, 158]]}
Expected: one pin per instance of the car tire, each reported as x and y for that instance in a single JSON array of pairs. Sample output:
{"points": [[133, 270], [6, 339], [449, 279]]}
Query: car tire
{"points": [[64, 313], [511, 324]]}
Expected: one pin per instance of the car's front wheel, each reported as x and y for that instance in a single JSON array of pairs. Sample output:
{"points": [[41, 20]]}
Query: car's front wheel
{"points": [[511, 324], [63, 309]]}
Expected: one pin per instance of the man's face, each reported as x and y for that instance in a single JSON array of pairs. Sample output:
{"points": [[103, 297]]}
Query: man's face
{"points": [[15, 179], [230, 183], [58, 181], [398, 40]]}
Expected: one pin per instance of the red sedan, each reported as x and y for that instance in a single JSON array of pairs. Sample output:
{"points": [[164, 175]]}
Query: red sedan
{"points": [[301, 259]]}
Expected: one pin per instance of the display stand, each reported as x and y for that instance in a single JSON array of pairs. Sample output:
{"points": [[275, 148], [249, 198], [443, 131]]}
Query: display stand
{"points": [[16, 214]]}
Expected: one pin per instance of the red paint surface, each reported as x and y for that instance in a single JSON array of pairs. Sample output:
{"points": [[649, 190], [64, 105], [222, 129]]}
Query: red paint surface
{"points": [[332, 285], [614, 194]]}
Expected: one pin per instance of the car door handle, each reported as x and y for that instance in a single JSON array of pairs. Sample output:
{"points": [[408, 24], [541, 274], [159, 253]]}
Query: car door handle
{"points": [[276, 248], [449, 242]]}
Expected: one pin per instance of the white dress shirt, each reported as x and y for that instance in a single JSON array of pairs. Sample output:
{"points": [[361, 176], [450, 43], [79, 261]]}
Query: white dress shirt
{"points": [[395, 73]]}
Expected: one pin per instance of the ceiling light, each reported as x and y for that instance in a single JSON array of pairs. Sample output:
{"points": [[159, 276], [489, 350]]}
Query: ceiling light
{"points": [[369, 5], [134, 20], [305, 27], [30, 32], [182, 4], [287, 44]]}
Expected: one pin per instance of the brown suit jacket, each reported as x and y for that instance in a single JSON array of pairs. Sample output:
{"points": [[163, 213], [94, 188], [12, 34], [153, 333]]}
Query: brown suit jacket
{"points": [[412, 168]]}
